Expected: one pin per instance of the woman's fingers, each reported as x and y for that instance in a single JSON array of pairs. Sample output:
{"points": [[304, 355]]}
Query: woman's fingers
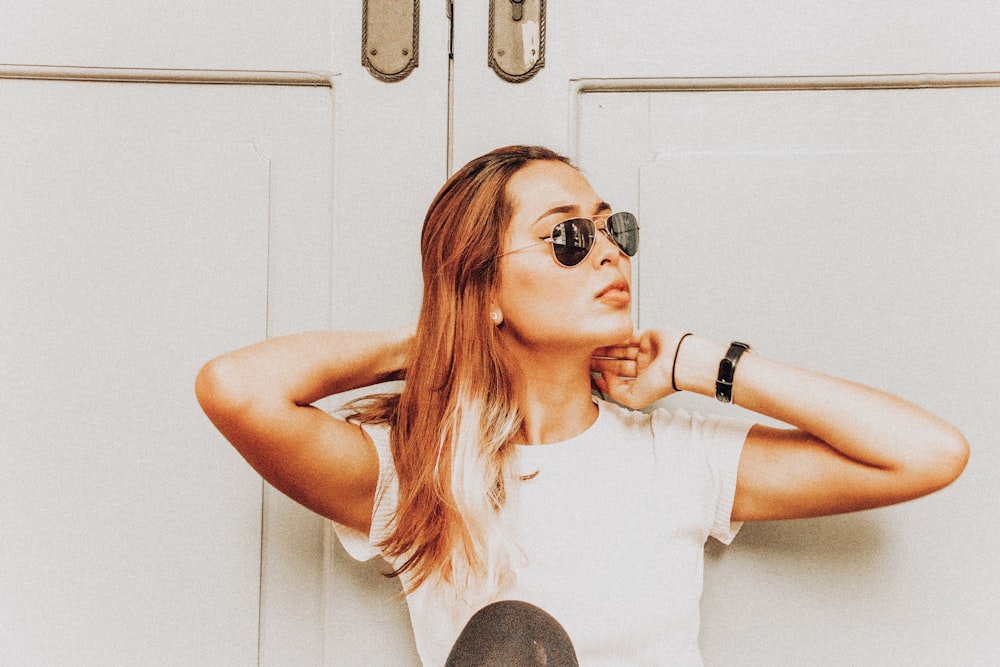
{"points": [[617, 360], [609, 366], [627, 351]]}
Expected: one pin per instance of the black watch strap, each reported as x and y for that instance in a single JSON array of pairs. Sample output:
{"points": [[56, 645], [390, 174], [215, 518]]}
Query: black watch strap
{"points": [[727, 369]]}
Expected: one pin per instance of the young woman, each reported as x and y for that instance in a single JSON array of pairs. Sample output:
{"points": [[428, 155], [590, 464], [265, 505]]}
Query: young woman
{"points": [[497, 475]]}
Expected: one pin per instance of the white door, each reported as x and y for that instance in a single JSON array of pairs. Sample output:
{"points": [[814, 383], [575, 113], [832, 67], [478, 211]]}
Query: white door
{"points": [[818, 179], [179, 180]]}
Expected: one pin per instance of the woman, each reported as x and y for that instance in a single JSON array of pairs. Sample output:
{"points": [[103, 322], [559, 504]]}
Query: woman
{"points": [[496, 475]]}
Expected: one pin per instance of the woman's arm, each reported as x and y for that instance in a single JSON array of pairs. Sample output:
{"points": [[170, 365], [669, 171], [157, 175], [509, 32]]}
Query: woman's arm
{"points": [[852, 447], [260, 398]]}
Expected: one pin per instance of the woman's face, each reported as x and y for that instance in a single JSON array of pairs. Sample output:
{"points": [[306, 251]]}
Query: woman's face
{"points": [[545, 304]]}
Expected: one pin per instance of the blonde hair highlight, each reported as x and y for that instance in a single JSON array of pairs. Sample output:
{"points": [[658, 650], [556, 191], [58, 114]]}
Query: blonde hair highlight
{"points": [[453, 424]]}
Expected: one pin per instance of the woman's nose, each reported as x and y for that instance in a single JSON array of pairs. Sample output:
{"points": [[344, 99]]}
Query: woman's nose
{"points": [[606, 250]]}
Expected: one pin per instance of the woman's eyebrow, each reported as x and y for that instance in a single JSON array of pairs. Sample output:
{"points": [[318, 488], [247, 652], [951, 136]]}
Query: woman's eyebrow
{"points": [[573, 209], [565, 209]]}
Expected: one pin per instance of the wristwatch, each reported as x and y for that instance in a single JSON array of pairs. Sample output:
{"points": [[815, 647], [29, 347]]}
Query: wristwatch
{"points": [[727, 369]]}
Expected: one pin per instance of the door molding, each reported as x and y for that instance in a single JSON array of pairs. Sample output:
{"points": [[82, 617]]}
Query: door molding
{"points": [[582, 86], [156, 75]]}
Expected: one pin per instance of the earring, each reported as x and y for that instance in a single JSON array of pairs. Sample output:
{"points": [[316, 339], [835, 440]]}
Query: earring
{"points": [[497, 317]]}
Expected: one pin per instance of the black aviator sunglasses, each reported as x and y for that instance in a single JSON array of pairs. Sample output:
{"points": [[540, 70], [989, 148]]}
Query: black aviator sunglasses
{"points": [[572, 240]]}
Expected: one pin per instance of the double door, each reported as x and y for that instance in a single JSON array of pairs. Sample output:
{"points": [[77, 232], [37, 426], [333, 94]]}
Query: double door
{"points": [[819, 181]]}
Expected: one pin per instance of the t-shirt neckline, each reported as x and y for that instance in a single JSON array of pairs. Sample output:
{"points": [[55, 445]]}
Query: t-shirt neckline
{"points": [[569, 442]]}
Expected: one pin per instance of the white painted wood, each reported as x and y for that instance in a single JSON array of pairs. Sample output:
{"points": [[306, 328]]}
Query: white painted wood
{"points": [[211, 293], [390, 160], [865, 265], [832, 201], [128, 533], [352, 165], [163, 34], [861, 238], [594, 40]]}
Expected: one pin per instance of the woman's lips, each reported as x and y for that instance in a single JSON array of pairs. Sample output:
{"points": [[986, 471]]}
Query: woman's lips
{"points": [[616, 293]]}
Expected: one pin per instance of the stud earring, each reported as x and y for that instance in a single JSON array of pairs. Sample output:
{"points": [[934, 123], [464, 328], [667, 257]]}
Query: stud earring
{"points": [[496, 317]]}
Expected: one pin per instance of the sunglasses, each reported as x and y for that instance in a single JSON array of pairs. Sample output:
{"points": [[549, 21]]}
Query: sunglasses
{"points": [[572, 240]]}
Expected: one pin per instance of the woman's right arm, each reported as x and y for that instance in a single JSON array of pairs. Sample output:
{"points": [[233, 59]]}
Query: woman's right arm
{"points": [[260, 398]]}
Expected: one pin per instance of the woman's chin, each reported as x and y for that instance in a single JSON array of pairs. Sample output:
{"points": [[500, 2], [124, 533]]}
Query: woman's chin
{"points": [[618, 334]]}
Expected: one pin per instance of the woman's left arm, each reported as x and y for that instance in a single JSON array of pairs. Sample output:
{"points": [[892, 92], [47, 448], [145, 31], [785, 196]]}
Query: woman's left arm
{"points": [[851, 448]]}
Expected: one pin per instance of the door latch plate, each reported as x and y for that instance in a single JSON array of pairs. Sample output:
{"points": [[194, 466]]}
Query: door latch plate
{"points": [[390, 31], [517, 38]]}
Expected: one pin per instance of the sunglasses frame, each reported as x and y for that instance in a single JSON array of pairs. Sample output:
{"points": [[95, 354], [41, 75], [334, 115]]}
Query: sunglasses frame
{"points": [[552, 238]]}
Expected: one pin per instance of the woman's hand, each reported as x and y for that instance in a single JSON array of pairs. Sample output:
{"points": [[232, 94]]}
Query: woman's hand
{"points": [[639, 371]]}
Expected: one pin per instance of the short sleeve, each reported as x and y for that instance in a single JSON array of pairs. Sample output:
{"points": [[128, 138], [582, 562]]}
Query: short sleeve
{"points": [[363, 547], [724, 445], [710, 448]]}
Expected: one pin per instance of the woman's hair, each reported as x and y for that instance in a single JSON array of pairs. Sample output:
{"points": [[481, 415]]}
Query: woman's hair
{"points": [[453, 423]]}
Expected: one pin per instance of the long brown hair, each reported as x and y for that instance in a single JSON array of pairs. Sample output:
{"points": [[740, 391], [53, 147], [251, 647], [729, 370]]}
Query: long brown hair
{"points": [[453, 423]]}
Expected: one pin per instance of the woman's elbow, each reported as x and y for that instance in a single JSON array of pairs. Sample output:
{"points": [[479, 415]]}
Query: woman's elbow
{"points": [[946, 460], [219, 390], [958, 455]]}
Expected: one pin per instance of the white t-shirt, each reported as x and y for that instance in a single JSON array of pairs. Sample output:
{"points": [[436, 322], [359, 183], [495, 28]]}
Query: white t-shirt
{"points": [[613, 528]]}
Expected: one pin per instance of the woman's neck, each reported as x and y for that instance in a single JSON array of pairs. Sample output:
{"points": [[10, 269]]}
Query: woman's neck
{"points": [[554, 399]]}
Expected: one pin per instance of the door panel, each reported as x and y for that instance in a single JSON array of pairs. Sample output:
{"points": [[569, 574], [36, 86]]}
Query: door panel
{"points": [[180, 34], [112, 548], [794, 190], [865, 265], [151, 227]]}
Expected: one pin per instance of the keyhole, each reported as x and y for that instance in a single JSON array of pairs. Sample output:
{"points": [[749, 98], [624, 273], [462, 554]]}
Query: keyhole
{"points": [[517, 11]]}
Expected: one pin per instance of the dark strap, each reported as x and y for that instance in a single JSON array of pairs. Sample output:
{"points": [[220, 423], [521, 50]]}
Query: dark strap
{"points": [[727, 370]]}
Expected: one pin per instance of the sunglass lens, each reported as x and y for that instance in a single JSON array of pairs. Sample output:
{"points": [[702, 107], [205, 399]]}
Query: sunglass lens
{"points": [[572, 240], [624, 229]]}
